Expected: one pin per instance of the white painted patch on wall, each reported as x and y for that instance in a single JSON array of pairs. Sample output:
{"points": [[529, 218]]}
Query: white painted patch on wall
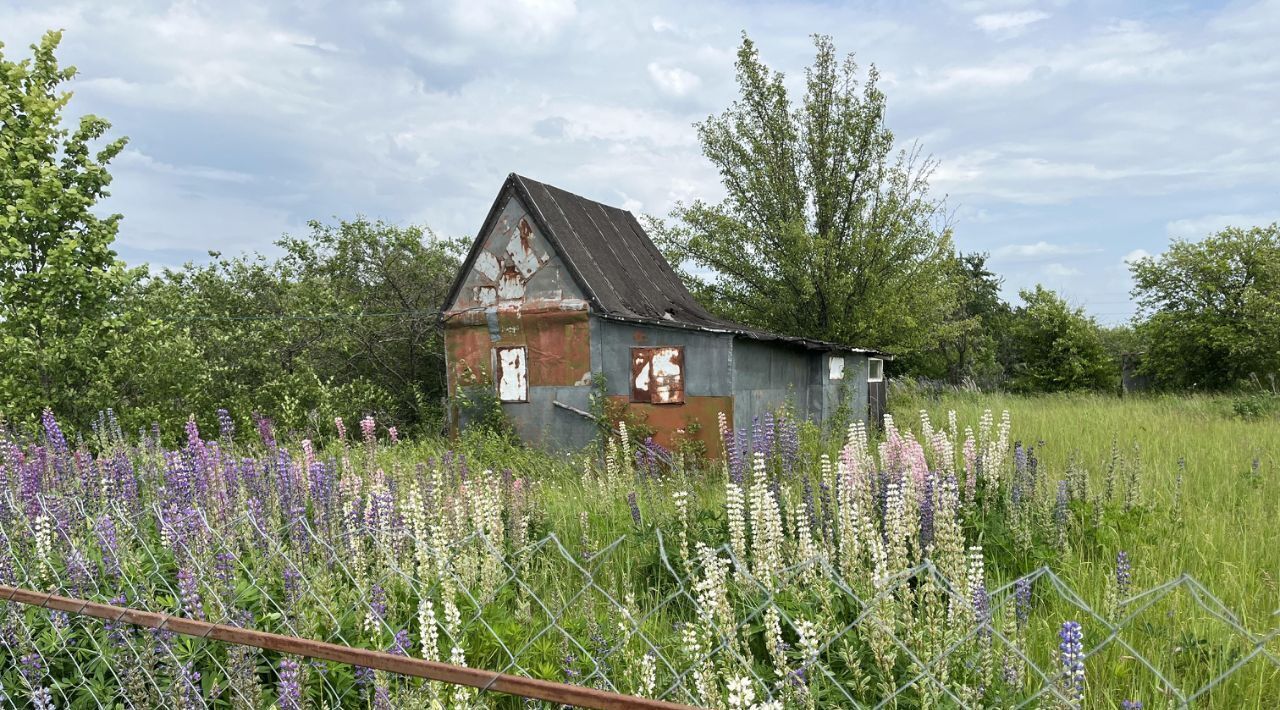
{"points": [[513, 374], [488, 265], [836, 365]]}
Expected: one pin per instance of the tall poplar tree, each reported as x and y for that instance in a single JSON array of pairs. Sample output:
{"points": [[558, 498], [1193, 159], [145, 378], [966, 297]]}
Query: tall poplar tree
{"points": [[828, 230], [58, 274]]}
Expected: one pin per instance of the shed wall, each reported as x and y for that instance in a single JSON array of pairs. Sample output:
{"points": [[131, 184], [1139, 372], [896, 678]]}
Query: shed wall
{"points": [[518, 292], [707, 372]]}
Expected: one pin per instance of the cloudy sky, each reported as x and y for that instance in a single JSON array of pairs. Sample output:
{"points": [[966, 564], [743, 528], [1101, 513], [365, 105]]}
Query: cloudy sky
{"points": [[1071, 135]]}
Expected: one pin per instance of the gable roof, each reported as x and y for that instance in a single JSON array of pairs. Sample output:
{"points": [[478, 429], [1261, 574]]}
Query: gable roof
{"points": [[607, 252]]}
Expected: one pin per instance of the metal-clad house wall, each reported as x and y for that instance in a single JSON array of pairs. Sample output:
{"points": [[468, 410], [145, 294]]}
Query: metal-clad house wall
{"points": [[767, 376], [852, 388], [707, 372], [519, 293]]}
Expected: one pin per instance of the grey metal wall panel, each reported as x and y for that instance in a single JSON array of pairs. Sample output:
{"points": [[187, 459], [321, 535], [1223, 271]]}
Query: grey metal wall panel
{"points": [[706, 355], [542, 424]]}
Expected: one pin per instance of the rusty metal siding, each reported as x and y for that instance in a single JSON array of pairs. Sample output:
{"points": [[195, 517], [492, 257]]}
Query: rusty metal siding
{"points": [[657, 375], [516, 267], [706, 375], [518, 294]]}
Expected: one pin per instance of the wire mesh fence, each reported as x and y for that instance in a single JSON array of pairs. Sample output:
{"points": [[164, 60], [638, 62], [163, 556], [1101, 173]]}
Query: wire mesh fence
{"points": [[691, 625]]}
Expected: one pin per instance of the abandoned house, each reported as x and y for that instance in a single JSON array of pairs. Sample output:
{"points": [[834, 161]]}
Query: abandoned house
{"points": [[558, 291]]}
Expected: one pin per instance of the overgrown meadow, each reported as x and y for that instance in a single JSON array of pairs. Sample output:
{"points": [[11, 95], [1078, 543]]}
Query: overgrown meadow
{"points": [[802, 570]]}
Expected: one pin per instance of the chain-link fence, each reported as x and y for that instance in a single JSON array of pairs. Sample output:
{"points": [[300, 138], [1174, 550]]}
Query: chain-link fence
{"points": [[695, 627]]}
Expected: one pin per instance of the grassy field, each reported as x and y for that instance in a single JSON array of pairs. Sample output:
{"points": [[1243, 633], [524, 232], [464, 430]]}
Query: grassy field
{"points": [[1210, 493], [689, 584]]}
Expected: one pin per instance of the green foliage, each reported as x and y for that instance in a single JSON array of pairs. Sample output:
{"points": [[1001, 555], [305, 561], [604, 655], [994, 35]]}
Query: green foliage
{"points": [[1056, 347], [971, 349], [481, 410], [1256, 405], [825, 232], [343, 324], [58, 275], [1213, 309]]}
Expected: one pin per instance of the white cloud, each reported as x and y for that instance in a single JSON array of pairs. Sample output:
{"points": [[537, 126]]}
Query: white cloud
{"points": [[673, 80], [1135, 255], [1040, 250], [1199, 227], [1008, 23], [1061, 271]]}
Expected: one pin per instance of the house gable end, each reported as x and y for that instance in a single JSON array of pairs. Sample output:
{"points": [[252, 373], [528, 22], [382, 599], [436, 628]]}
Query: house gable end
{"points": [[514, 263]]}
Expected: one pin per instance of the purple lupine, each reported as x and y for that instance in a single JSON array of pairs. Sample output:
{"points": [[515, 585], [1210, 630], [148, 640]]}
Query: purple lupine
{"points": [[290, 686], [828, 515], [1022, 601], [292, 587], [1123, 574], [226, 426], [189, 594], [982, 611], [733, 449], [808, 505], [926, 511], [265, 431], [31, 483], [1060, 512], [53, 433], [224, 572], [1130, 705], [364, 676], [117, 631], [31, 668], [635, 508], [188, 681], [400, 643], [378, 603], [1071, 658], [789, 443]]}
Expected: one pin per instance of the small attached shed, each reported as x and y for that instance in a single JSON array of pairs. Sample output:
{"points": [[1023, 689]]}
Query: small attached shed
{"points": [[558, 291]]}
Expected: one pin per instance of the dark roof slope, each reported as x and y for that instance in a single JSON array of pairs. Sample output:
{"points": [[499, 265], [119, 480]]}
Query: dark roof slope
{"points": [[623, 274]]}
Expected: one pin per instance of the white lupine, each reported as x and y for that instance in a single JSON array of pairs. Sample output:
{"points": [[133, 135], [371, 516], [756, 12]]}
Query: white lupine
{"points": [[808, 641], [648, 675], [926, 430], [741, 693], [681, 498], [712, 591], [430, 634], [895, 523], [735, 512], [766, 528], [774, 643], [44, 545]]}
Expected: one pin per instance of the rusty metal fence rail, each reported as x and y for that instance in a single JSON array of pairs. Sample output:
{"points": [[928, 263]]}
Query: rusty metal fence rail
{"points": [[264, 617]]}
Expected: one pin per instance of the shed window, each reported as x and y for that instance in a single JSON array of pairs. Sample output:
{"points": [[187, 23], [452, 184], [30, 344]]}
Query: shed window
{"points": [[657, 375], [836, 367], [513, 374], [875, 369]]}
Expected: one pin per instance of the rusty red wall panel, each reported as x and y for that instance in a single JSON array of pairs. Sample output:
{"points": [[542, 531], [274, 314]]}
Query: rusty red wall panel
{"points": [[671, 422], [468, 350], [559, 343], [559, 348]]}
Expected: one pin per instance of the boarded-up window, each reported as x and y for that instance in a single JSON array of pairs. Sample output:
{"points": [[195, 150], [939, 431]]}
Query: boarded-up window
{"points": [[836, 371], [513, 374], [875, 369], [657, 375]]}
